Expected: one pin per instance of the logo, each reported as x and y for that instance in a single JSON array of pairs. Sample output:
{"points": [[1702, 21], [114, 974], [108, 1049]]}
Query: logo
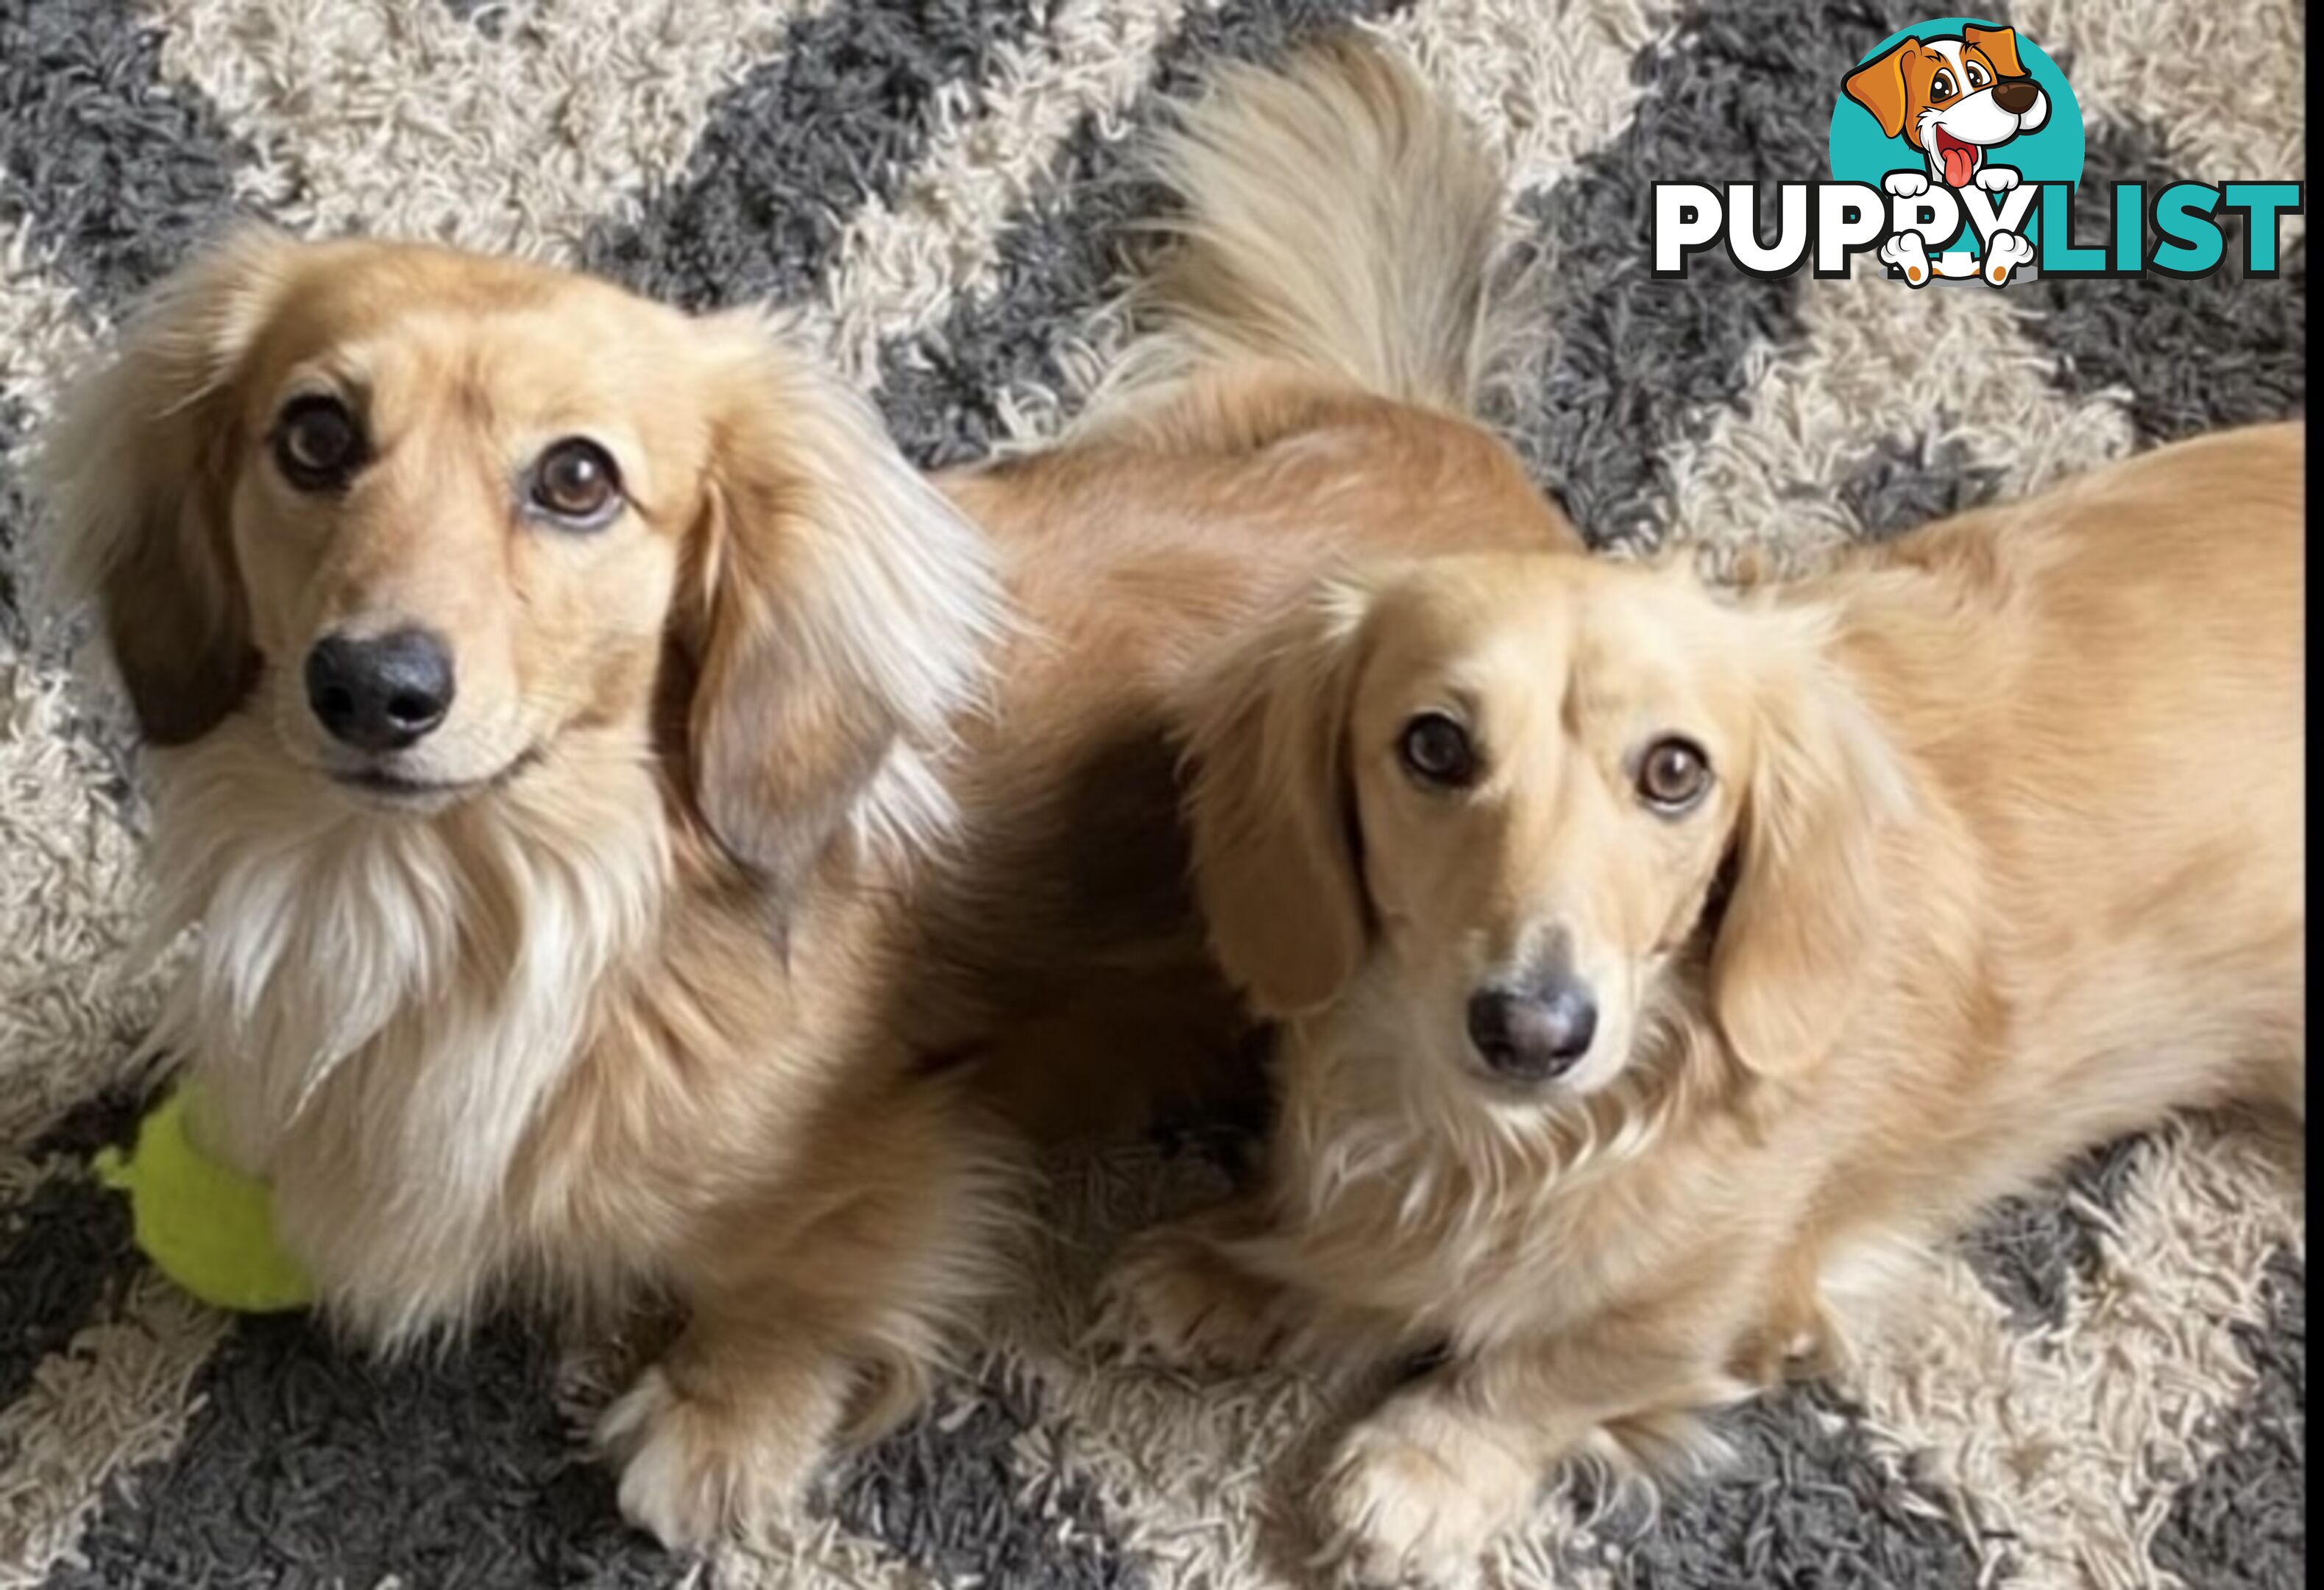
{"points": [[1965, 108], [1956, 153]]}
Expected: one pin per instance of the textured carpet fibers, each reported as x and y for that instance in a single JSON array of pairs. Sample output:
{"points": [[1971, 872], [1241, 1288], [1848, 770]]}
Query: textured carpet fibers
{"points": [[2103, 1385]]}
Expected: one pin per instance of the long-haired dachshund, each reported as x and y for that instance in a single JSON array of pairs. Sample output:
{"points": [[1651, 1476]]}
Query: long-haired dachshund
{"points": [[1652, 963], [609, 782]]}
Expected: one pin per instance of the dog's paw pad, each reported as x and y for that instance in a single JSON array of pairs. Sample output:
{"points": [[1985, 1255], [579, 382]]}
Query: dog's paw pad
{"points": [[1905, 251], [2004, 252]]}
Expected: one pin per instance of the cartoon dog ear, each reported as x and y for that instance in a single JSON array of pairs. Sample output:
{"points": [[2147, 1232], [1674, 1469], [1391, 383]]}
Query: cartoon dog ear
{"points": [[2000, 47], [139, 471], [1808, 896], [1276, 869], [1878, 85], [836, 615]]}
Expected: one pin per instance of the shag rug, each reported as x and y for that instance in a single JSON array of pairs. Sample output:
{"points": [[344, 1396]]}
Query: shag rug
{"points": [[2104, 1386]]}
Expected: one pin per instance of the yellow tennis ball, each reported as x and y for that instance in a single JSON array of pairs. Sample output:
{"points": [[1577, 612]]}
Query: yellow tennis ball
{"points": [[203, 1223]]}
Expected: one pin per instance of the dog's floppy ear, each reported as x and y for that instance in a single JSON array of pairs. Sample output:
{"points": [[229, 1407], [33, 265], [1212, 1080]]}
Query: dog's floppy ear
{"points": [[2000, 47], [1808, 896], [838, 612], [1878, 85], [1276, 868], [138, 472]]}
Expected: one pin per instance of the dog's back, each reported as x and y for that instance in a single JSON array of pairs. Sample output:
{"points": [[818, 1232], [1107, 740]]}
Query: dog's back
{"points": [[2173, 642], [1299, 392], [2107, 685]]}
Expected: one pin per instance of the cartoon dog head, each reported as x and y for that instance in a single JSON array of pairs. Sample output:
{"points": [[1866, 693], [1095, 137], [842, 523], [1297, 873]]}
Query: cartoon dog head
{"points": [[1951, 98]]}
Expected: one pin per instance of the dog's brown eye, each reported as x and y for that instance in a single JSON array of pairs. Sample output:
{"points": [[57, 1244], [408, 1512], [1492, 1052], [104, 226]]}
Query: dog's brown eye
{"points": [[1941, 86], [1437, 751], [576, 481], [317, 444], [1673, 774]]}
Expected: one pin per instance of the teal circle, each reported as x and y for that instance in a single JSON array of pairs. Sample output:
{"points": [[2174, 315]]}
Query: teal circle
{"points": [[2053, 152]]}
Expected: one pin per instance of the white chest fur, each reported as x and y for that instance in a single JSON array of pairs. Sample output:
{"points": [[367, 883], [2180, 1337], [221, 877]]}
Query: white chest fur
{"points": [[379, 1005]]}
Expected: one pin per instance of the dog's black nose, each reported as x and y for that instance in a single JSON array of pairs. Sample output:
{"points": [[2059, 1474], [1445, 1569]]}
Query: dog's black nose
{"points": [[381, 694], [2016, 95], [1537, 1035]]}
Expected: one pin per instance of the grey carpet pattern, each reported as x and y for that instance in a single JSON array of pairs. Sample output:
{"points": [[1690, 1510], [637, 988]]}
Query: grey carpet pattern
{"points": [[2104, 1384]]}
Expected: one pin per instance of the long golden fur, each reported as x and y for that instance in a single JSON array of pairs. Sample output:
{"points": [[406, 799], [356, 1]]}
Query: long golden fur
{"points": [[1999, 855], [622, 955]]}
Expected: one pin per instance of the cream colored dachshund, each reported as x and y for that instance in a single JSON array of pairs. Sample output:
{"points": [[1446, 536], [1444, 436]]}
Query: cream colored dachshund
{"points": [[1652, 966]]}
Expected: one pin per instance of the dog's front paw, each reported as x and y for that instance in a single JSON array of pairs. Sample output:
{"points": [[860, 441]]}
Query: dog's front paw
{"points": [[1996, 179], [692, 1470], [1418, 1492], [1905, 252], [1906, 184], [1175, 1299]]}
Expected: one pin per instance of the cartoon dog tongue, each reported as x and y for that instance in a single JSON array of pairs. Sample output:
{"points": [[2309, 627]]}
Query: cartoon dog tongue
{"points": [[1959, 158]]}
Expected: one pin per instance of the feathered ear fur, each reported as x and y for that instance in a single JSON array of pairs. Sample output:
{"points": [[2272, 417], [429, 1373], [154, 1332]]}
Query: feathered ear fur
{"points": [[1809, 896], [139, 473], [841, 609], [1276, 868]]}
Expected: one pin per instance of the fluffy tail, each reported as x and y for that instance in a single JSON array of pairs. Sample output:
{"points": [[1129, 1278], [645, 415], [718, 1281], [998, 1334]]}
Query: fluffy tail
{"points": [[1338, 218]]}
